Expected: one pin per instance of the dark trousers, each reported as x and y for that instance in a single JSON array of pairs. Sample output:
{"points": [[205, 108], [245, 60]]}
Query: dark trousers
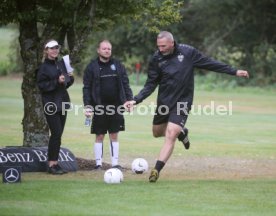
{"points": [[56, 123]]}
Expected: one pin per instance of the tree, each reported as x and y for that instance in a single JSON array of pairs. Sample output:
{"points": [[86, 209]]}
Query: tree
{"points": [[71, 21], [223, 28]]}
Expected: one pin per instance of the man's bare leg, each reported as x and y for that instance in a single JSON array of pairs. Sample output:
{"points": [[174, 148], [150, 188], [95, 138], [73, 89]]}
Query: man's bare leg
{"points": [[171, 133]]}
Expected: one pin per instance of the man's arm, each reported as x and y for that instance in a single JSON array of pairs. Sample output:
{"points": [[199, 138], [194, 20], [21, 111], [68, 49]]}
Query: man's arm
{"points": [[207, 63], [87, 86], [151, 83], [125, 81]]}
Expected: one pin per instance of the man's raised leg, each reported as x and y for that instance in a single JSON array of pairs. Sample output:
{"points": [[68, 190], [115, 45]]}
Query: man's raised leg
{"points": [[171, 133]]}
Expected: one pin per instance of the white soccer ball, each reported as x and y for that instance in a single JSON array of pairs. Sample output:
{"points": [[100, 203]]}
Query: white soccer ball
{"points": [[139, 166], [113, 176]]}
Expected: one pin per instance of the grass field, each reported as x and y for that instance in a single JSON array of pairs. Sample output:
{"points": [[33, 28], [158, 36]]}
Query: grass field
{"points": [[229, 170]]}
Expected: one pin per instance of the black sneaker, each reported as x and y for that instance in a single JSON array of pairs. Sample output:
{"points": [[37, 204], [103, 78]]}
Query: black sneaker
{"points": [[56, 170], [59, 167], [183, 137], [98, 167]]}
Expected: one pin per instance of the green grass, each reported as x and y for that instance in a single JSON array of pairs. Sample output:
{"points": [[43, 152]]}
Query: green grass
{"points": [[248, 134], [137, 197]]}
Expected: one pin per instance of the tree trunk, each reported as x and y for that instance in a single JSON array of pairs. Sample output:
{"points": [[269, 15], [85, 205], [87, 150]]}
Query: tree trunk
{"points": [[35, 128]]}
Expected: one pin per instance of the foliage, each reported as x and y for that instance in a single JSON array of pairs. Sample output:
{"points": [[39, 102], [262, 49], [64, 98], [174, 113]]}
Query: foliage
{"points": [[238, 33], [70, 22], [243, 29], [8, 51]]}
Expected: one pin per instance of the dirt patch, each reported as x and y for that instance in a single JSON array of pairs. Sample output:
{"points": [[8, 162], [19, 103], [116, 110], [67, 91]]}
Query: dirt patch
{"points": [[85, 164], [220, 168], [206, 168]]}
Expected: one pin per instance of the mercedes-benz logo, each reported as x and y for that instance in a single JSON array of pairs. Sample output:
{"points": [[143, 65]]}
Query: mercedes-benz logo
{"points": [[11, 175]]}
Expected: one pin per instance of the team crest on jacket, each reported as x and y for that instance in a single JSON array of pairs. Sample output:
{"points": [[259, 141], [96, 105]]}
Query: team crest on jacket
{"points": [[113, 67], [180, 57]]}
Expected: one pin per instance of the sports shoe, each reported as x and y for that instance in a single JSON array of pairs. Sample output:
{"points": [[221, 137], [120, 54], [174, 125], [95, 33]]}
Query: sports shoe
{"points": [[98, 167], [56, 170], [154, 175], [183, 137]]}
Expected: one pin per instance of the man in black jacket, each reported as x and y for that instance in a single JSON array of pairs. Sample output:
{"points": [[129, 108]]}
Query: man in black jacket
{"points": [[105, 90], [171, 67]]}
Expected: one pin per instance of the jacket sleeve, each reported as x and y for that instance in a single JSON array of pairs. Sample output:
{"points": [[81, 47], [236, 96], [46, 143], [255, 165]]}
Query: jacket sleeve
{"points": [[45, 82], [125, 81], [151, 83], [71, 81], [87, 86], [204, 62]]}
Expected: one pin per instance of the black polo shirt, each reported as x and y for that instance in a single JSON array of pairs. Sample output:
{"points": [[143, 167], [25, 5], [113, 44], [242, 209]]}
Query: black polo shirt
{"points": [[109, 89]]}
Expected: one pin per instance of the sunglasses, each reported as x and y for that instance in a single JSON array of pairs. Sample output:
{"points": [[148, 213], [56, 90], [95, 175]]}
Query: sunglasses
{"points": [[55, 47]]}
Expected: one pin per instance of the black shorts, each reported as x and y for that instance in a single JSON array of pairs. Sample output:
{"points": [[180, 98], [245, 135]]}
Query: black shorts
{"points": [[101, 124], [171, 116]]}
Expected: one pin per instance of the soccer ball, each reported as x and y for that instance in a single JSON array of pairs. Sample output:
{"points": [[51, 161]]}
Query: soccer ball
{"points": [[139, 166], [113, 176]]}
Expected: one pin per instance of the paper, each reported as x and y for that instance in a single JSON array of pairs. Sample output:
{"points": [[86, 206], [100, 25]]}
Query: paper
{"points": [[67, 64]]}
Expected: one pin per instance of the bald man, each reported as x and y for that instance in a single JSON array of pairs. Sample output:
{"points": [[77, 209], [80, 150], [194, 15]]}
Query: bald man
{"points": [[172, 69]]}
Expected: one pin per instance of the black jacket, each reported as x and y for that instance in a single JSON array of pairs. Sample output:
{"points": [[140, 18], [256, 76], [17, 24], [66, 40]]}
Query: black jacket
{"points": [[91, 84], [51, 90], [175, 75]]}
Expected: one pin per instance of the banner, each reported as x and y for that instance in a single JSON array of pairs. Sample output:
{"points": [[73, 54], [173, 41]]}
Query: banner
{"points": [[34, 159]]}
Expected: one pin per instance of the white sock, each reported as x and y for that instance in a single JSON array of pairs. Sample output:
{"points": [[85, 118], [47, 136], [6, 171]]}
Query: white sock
{"points": [[114, 152], [98, 151]]}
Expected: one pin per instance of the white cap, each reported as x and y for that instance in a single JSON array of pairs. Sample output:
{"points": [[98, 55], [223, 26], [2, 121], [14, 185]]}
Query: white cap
{"points": [[51, 44]]}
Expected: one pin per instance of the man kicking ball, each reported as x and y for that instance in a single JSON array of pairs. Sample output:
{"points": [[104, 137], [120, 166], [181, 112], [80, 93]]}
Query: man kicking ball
{"points": [[172, 68]]}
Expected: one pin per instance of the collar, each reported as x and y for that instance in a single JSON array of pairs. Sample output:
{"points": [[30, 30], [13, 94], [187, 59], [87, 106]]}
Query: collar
{"points": [[50, 61], [175, 52], [104, 63]]}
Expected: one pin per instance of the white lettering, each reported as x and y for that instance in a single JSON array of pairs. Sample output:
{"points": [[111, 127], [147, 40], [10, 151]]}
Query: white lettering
{"points": [[65, 155], [211, 109], [163, 110], [11, 157], [40, 155], [3, 159], [77, 107], [64, 105], [121, 110], [230, 108], [29, 159], [110, 108], [182, 107], [99, 109]]}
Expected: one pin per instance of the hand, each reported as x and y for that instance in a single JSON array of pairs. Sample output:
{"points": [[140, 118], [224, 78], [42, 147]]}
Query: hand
{"points": [[129, 105], [61, 79], [242, 73], [70, 74], [88, 112]]}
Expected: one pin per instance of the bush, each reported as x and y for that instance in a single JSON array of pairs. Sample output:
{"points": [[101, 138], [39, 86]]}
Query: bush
{"points": [[6, 68]]}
